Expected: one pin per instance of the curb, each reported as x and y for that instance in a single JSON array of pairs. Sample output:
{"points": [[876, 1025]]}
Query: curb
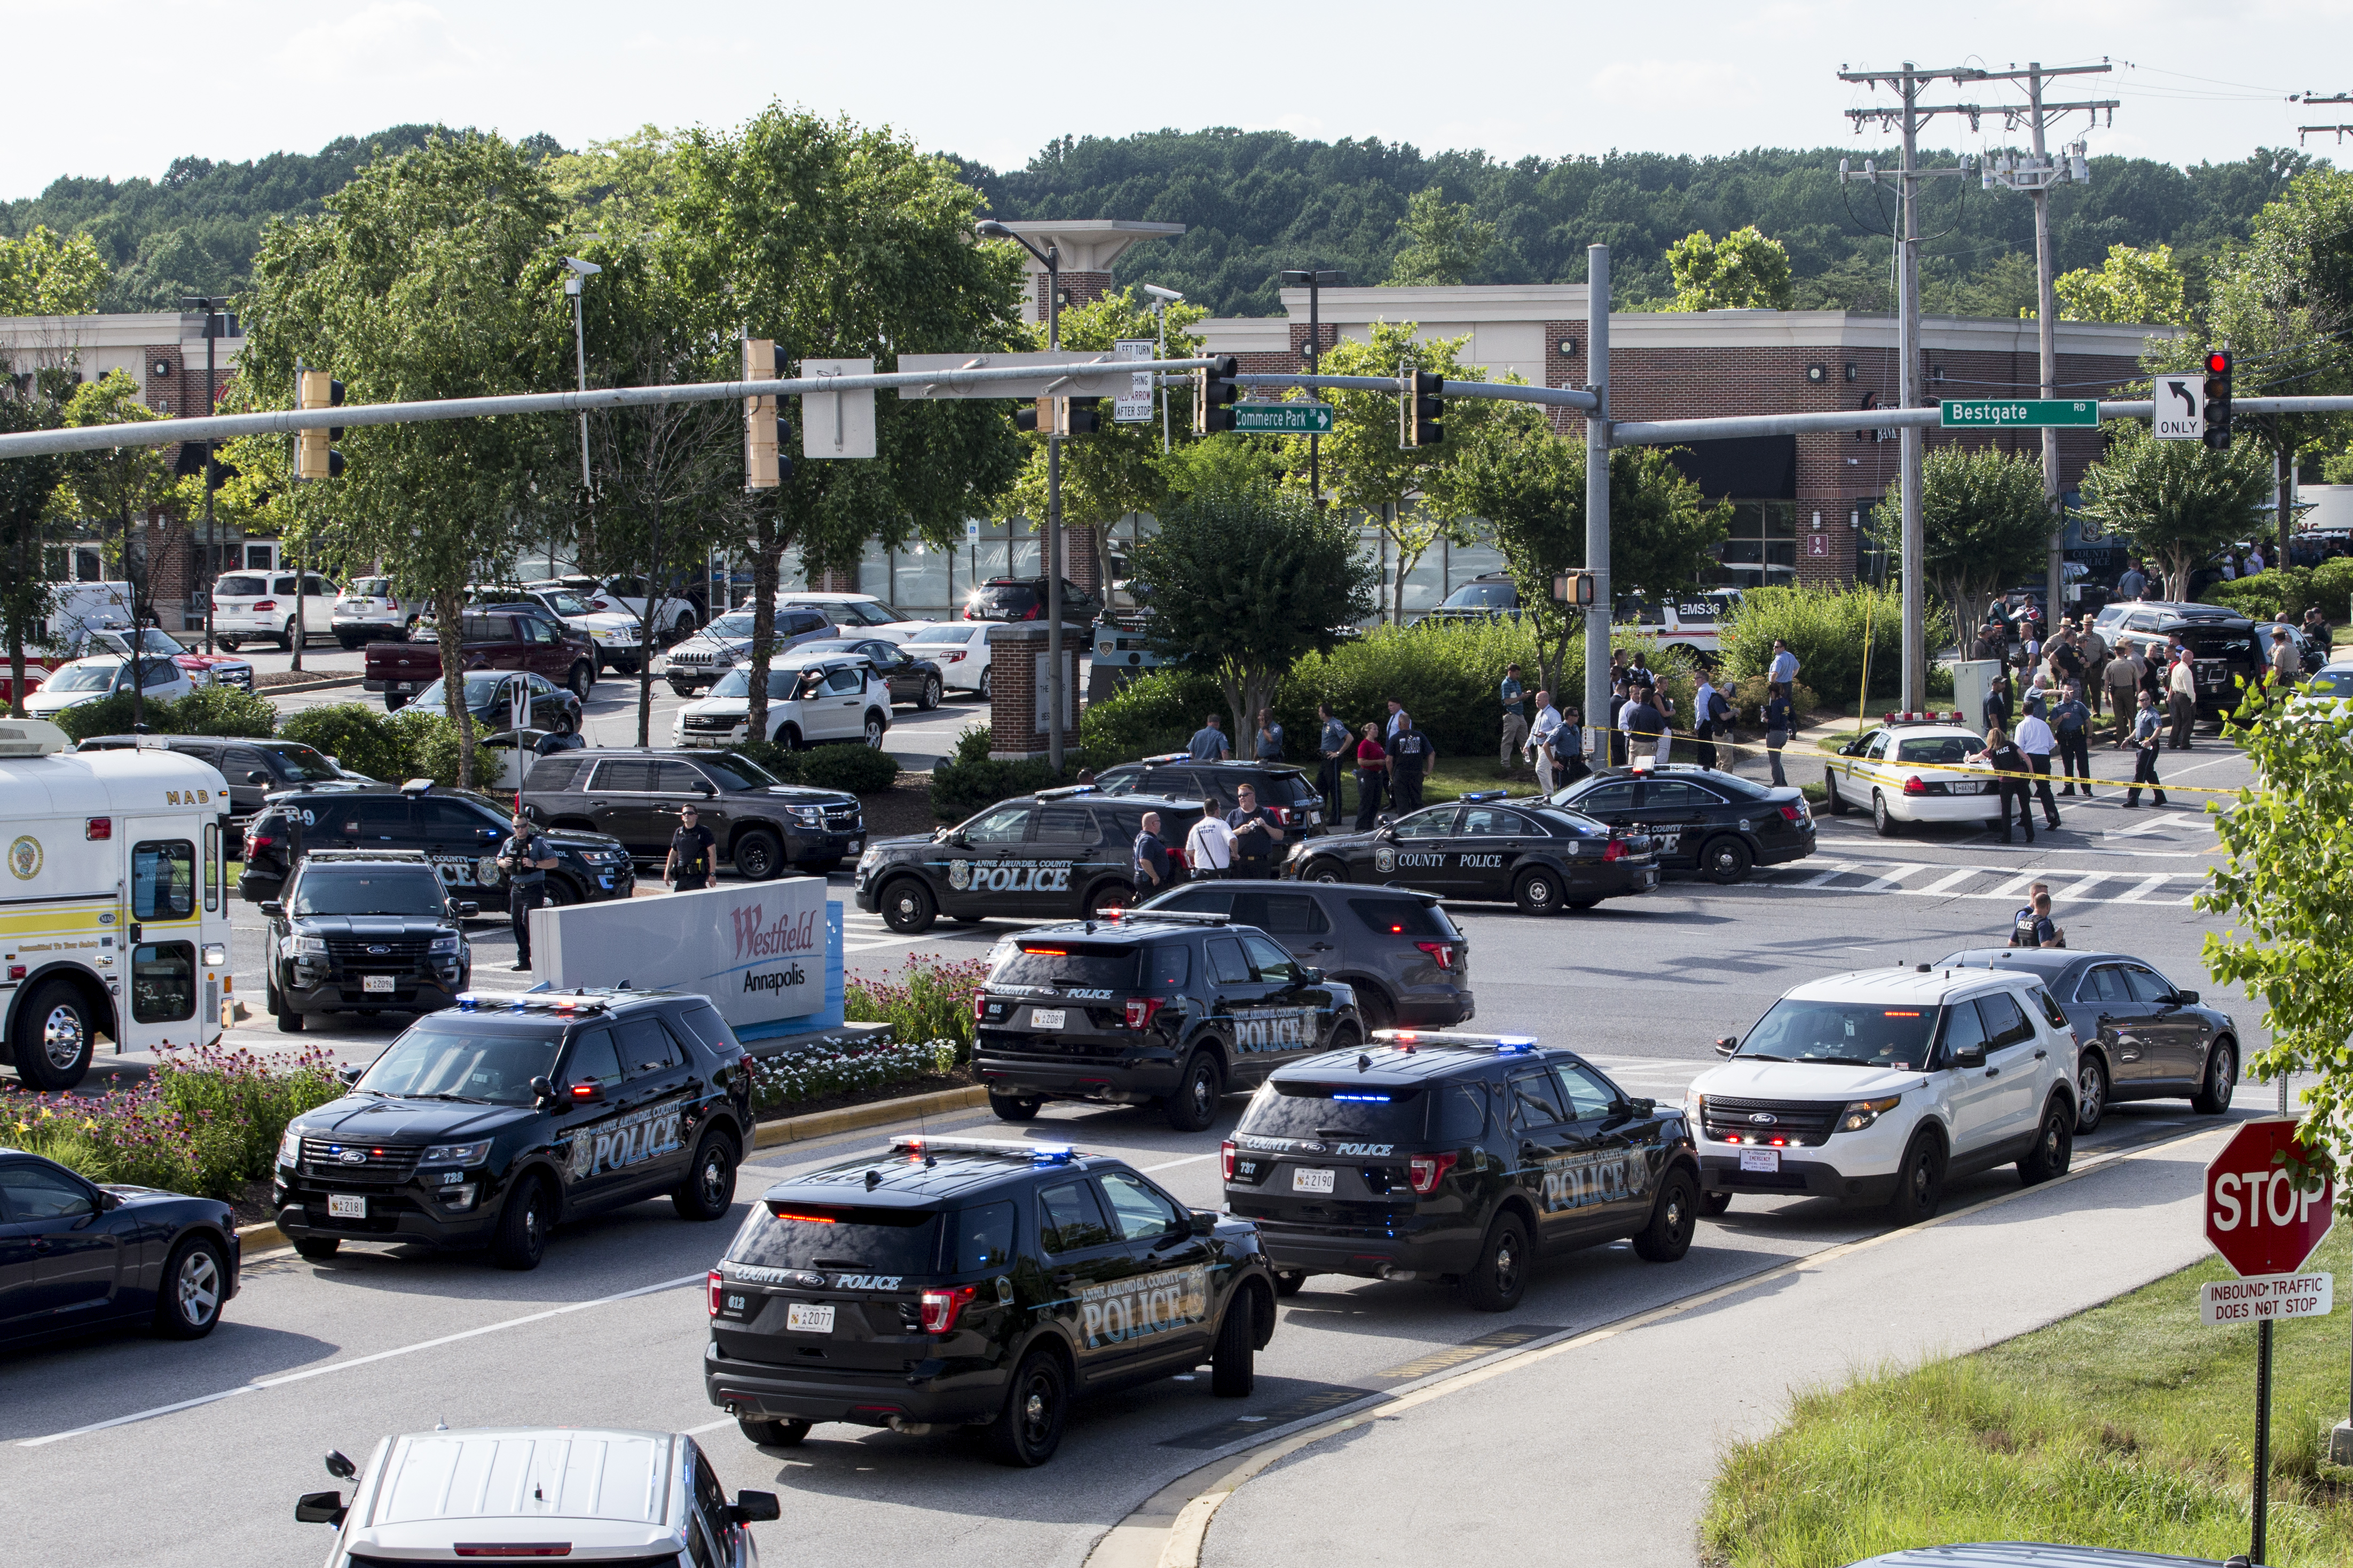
{"points": [[272, 690], [851, 1118], [263, 1237]]}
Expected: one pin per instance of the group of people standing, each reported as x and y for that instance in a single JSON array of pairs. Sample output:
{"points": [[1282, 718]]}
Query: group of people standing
{"points": [[1243, 842]]}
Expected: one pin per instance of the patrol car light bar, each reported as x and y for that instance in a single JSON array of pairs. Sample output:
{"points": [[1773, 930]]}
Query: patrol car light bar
{"points": [[1479, 795], [1408, 1038], [1952, 718], [541, 1002], [1049, 1153], [1168, 757], [417, 786], [1169, 917]]}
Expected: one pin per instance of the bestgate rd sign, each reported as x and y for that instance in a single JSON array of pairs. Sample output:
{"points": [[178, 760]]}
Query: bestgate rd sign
{"points": [[2017, 413], [2257, 1217]]}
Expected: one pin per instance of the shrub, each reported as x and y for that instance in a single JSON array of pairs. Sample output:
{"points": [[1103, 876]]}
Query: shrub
{"points": [[359, 735], [836, 1069], [109, 716], [970, 780], [2277, 594], [2332, 588], [932, 1002], [1749, 700], [1157, 711], [224, 710], [428, 747], [1824, 628], [860, 769], [786, 766]]}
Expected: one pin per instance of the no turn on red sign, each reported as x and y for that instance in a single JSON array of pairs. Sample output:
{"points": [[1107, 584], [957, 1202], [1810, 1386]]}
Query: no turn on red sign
{"points": [[2257, 1216]]}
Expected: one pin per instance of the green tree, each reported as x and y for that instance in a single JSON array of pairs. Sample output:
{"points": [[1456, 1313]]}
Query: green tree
{"points": [[429, 276], [25, 486], [2175, 503], [1245, 582], [112, 492], [1744, 270], [846, 243], [1984, 525], [1444, 243], [46, 274], [2132, 285]]}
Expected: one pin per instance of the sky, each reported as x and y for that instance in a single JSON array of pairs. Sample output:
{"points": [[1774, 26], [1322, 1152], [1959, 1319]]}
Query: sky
{"points": [[144, 81]]}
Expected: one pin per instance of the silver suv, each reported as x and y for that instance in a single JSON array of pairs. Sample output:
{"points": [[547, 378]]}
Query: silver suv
{"points": [[699, 663]]}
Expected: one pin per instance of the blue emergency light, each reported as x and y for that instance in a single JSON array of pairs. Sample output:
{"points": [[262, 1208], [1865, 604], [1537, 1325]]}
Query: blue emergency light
{"points": [[1364, 1098]]}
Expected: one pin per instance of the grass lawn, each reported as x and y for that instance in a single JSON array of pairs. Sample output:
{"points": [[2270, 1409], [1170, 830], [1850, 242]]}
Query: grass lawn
{"points": [[2131, 1426]]}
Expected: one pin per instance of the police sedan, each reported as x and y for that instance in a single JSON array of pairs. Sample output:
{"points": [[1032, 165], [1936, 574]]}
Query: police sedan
{"points": [[1539, 856], [1700, 819], [1913, 768]]}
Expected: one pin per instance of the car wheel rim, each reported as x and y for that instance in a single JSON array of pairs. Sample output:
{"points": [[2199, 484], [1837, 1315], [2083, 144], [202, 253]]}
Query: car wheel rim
{"points": [[1507, 1264], [1203, 1100], [1920, 1178], [874, 733], [199, 1288], [2225, 1074], [63, 1037], [1678, 1215], [1038, 1411], [714, 1178], [1540, 892], [2089, 1090]]}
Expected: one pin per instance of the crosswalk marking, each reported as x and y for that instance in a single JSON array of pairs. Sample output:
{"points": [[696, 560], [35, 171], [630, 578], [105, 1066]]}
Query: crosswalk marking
{"points": [[2001, 884]]}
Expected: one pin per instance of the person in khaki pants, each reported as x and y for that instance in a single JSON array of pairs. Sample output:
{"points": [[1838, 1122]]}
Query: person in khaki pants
{"points": [[2123, 677]]}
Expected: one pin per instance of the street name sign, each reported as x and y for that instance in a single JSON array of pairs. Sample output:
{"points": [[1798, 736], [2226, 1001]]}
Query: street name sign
{"points": [[1134, 407], [1284, 418], [2180, 408], [2257, 1216], [2270, 1296], [2017, 413]]}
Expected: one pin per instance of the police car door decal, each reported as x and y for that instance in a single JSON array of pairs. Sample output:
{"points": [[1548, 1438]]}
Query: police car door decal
{"points": [[1010, 875], [1124, 1313], [1274, 1028], [1590, 1178], [640, 1136]]}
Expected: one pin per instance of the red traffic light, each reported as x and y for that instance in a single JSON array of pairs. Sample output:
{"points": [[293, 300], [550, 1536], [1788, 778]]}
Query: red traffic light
{"points": [[2218, 363]]}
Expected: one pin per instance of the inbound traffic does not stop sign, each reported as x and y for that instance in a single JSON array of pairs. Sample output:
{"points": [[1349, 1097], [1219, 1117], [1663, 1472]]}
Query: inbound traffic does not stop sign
{"points": [[2257, 1216]]}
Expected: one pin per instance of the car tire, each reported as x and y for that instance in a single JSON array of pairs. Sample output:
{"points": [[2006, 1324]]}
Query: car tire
{"points": [[1288, 1282], [317, 1249], [60, 1032], [773, 1434], [1882, 822], [1374, 1007], [908, 907], [1919, 1180], [289, 1022], [565, 724], [1500, 1276], [520, 1240], [582, 679], [1106, 896], [194, 1289], [1324, 871], [1193, 1106], [1028, 1428], [985, 686], [1233, 1365], [560, 893], [393, 701], [1014, 1107], [931, 695], [1538, 892], [877, 726], [685, 691], [759, 855], [286, 637], [2091, 1091], [226, 645], [1675, 1220], [2054, 1146], [350, 645], [1832, 802], [1725, 858], [2213, 1096], [1714, 1205], [709, 1191]]}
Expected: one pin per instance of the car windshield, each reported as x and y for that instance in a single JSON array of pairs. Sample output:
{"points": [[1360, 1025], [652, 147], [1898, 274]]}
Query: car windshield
{"points": [[2209, 642], [564, 603], [1575, 821], [735, 626], [299, 764], [368, 588], [1334, 1111], [2332, 683], [738, 683], [1948, 749], [1483, 596], [1001, 601], [1285, 789], [1066, 965], [151, 640], [85, 678], [1853, 1034], [326, 890], [239, 587], [480, 690], [956, 635], [782, 1234], [737, 771], [457, 1057]]}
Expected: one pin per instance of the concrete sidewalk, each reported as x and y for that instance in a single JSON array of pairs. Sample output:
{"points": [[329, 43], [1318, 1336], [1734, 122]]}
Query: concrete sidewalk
{"points": [[1615, 1435]]}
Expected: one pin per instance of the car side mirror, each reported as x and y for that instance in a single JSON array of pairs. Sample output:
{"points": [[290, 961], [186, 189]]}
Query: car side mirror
{"points": [[1969, 1056], [959, 841], [466, 911], [1204, 1223], [2185, 998], [257, 776], [320, 1507], [590, 1093], [1726, 1044], [274, 909], [541, 1091], [751, 1507], [341, 1469], [1310, 975], [706, 789], [350, 1072]]}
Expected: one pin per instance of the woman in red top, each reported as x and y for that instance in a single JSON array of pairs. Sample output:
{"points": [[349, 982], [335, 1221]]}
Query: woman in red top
{"points": [[1372, 770]]}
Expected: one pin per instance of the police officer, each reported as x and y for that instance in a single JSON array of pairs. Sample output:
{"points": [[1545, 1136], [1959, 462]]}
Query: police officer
{"points": [[1256, 836], [1408, 760], [1151, 857], [526, 861], [687, 870]]}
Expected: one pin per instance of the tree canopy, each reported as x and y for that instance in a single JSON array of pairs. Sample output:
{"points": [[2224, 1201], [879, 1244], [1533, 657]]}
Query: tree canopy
{"points": [[1743, 271], [2174, 503], [2132, 285], [1984, 519]]}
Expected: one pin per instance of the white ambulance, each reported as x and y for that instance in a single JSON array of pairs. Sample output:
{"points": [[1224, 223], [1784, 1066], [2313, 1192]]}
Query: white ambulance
{"points": [[113, 914]]}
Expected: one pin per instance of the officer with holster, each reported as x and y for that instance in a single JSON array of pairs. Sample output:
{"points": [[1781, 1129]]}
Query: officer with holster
{"points": [[525, 860]]}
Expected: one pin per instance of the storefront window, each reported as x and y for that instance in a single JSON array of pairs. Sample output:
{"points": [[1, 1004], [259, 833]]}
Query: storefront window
{"points": [[1761, 547]]}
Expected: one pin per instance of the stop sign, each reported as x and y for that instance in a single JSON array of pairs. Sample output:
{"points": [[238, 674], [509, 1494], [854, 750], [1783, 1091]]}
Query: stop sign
{"points": [[2255, 1215]]}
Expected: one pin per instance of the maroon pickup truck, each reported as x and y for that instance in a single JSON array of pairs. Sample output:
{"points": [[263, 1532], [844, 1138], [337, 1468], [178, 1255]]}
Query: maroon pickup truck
{"points": [[497, 636]]}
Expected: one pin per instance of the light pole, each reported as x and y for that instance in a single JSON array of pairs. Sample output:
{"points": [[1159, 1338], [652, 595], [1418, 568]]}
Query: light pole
{"points": [[1161, 300], [576, 270], [212, 325], [1312, 281], [1052, 259]]}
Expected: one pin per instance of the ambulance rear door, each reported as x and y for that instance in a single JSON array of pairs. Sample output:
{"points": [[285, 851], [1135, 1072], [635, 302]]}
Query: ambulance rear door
{"points": [[167, 888]]}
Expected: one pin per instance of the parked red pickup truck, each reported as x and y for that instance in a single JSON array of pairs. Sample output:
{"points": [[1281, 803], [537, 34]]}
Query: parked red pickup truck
{"points": [[497, 636]]}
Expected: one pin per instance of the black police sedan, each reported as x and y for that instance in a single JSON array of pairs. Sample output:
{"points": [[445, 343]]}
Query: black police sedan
{"points": [[76, 1254], [2140, 1037], [1700, 819], [963, 1283], [493, 1121], [360, 931], [1456, 1158], [1061, 852], [1539, 856], [491, 696], [458, 831], [1150, 1007]]}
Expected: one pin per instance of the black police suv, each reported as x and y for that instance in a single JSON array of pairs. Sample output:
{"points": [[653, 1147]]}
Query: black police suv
{"points": [[759, 823], [1396, 948], [1141, 1009], [1066, 852], [254, 769], [488, 1123], [77, 1256], [458, 831], [1289, 795], [1699, 820], [963, 1283], [360, 931], [1539, 856], [1456, 1158]]}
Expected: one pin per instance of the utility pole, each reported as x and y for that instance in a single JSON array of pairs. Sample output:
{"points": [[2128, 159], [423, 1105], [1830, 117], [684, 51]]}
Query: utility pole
{"points": [[1596, 496], [213, 325], [1313, 280]]}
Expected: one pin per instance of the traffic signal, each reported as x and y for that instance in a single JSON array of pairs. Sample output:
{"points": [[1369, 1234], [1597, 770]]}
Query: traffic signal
{"points": [[1214, 392], [1420, 408], [2218, 397], [765, 435], [315, 457], [1036, 418], [1082, 416], [1060, 416]]}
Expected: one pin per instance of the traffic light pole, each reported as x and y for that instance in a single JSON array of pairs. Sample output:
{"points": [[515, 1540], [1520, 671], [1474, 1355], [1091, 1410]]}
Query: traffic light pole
{"points": [[1053, 261], [1596, 491]]}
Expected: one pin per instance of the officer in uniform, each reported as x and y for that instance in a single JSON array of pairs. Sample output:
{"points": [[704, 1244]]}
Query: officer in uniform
{"points": [[1255, 836], [687, 870], [525, 862]]}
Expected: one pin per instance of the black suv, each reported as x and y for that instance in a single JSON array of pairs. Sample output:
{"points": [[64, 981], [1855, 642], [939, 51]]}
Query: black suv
{"points": [[1061, 852], [1149, 1008], [360, 931], [961, 1282], [1396, 948], [1699, 820], [1289, 795], [459, 832], [1457, 1158], [254, 769], [633, 796], [1541, 857], [2223, 651], [1024, 599], [488, 1124]]}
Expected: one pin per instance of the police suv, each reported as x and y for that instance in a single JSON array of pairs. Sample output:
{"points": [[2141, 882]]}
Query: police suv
{"points": [[1541, 857], [1151, 1006], [1061, 852], [964, 1282], [489, 1122], [1456, 1158]]}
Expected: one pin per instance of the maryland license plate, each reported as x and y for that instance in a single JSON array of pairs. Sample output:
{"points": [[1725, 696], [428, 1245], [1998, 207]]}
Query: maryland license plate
{"points": [[808, 1318], [1760, 1159], [1307, 1179], [377, 985], [1046, 1017], [347, 1205]]}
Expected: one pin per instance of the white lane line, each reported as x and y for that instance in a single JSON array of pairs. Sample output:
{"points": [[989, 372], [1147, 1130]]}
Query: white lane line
{"points": [[1824, 877], [1948, 880], [308, 1372], [2147, 884], [2082, 891], [1892, 881]]}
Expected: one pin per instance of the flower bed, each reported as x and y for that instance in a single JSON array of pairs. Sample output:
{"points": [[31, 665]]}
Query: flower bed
{"points": [[932, 1000], [846, 1072]]}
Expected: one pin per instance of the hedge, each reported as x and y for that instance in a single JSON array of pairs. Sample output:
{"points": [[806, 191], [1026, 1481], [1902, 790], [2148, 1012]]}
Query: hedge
{"points": [[1824, 628], [2284, 593], [969, 779], [852, 765], [208, 710]]}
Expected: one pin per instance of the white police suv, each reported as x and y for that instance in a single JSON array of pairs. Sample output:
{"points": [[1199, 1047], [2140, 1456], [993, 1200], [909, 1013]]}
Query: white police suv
{"points": [[1881, 1085]]}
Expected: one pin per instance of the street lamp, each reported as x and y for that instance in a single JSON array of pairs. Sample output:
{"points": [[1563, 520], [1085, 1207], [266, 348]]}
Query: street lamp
{"points": [[1312, 279], [577, 270], [1161, 300], [1051, 258], [214, 323]]}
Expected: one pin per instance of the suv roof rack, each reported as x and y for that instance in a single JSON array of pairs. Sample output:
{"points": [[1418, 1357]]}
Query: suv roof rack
{"points": [[913, 1144], [1415, 1040]]}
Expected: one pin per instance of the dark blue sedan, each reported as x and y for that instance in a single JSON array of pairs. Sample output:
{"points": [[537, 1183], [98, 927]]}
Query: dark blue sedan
{"points": [[2140, 1036], [75, 1256]]}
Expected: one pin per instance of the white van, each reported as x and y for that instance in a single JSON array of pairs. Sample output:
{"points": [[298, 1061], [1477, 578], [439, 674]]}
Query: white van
{"points": [[116, 909], [251, 606]]}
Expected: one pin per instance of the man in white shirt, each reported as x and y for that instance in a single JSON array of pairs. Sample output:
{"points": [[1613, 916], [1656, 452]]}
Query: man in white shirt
{"points": [[1547, 721], [2036, 739], [1210, 847]]}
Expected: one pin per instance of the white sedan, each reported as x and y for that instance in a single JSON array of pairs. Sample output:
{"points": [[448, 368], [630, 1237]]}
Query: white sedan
{"points": [[95, 680], [961, 650], [1913, 771]]}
